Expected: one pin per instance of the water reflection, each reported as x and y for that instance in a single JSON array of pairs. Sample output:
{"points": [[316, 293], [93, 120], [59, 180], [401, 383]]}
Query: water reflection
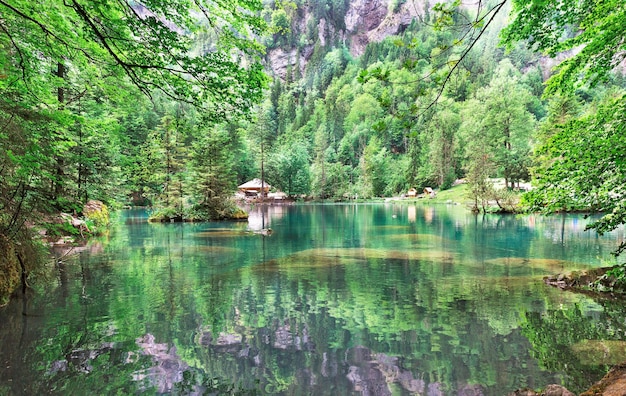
{"points": [[341, 299], [168, 368], [262, 217]]}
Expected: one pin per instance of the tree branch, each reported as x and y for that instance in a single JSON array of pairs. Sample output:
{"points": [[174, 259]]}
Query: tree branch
{"points": [[493, 11]]}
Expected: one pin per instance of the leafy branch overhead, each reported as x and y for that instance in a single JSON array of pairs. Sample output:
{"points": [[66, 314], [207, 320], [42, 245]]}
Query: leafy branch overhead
{"points": [[468, 26], [153, 43], [591, 30], [583, 161]]}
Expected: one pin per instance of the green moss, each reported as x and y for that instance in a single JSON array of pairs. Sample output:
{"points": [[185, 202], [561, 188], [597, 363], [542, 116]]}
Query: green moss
{"points": [[9, 270], [97, 216], [22, 255], [239, 214]]}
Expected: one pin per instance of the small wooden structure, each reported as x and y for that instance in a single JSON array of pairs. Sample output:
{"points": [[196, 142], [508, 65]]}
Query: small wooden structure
{"points": [[254, 186], [412, 193], [429, 192], [277, 196]]}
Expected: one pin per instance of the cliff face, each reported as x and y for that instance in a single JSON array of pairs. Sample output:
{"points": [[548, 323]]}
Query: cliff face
{"points": [[371, 21], [363, 22]]}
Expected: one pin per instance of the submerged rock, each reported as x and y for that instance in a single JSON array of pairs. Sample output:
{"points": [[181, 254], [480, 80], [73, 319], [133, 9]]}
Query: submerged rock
{"points": [[576, 280], [551, 390], [600, 352], [604, 282]]}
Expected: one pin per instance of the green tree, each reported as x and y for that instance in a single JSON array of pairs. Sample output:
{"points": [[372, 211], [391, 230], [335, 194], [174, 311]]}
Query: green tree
{"points": [[443, 147], [65, 66], [321, 153], [594, 35], [593, 30], [288, 168], [165, 155], [136, 120], [587, 166], [506, 122], [374, 169], [149, 43], [213, 172], [263, 134], [280, 21], [479, 162]]}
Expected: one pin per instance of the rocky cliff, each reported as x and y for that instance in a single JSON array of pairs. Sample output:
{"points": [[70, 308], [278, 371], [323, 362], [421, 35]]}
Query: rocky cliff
{"points": [[372, 21], [363, 22]]}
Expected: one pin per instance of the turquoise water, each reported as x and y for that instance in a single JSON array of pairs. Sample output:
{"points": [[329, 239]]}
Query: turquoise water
{"points": [[372, 299]]}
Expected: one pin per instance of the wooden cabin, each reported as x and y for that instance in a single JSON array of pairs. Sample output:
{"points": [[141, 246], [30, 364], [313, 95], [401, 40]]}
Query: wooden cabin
{"points": [[254, 187]]}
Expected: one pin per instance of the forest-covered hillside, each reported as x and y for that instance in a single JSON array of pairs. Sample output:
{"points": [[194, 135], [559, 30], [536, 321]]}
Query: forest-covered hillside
{"points": [[349, 109], [173, 105], [342, 120]]}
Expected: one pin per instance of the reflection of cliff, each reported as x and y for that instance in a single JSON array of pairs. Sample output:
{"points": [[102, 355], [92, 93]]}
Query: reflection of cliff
{"points": [[372, 373], [360, 369], [168, 369], [283, 337], [81, 360], [563, 338]]}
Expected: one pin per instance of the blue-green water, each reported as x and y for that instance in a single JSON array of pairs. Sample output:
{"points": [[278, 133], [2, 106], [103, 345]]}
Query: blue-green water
{"points": [[380, 299]]}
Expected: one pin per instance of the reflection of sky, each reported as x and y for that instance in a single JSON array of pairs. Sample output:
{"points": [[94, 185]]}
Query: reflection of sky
{"points": [[261, 216], [411, 214]]}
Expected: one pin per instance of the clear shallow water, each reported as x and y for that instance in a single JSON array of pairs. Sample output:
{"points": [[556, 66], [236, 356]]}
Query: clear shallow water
{"points": [[374, 299]]}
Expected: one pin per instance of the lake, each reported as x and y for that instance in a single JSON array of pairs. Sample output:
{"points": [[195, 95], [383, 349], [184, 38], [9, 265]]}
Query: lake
{"points": [[369, 299]]}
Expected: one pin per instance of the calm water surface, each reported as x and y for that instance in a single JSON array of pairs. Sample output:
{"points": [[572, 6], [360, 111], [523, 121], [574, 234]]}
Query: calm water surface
{"points": [[377, 299]]}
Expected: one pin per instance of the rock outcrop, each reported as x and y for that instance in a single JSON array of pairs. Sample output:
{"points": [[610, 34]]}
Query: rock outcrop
{"points": [[280, 60], [613, 384], [97, 212], [372, 21], [364, 22]]}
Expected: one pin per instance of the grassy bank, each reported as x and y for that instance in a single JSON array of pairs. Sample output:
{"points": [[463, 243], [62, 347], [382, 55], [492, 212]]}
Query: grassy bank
{"points": [[457, 195]]}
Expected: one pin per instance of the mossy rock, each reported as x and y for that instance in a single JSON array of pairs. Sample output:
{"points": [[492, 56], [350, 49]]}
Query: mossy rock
{"points": [[97, 213], [597, 280], [9, 270], [239, 214]]}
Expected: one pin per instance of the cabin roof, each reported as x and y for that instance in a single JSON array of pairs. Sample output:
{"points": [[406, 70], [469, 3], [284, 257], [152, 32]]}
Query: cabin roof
{"points": [[254, 184]]}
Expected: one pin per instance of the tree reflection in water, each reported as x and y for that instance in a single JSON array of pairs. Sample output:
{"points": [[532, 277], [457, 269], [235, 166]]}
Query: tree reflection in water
{"points": [[341, 299]]}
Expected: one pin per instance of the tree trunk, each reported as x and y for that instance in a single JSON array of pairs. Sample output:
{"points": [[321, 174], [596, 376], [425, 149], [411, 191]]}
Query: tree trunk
{"points": [[57, 189], [61, 90]]}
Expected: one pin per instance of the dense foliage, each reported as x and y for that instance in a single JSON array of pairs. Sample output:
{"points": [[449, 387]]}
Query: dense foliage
{"points": [[76, 122], [581, 155], [166, 104], [368, 126]]}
